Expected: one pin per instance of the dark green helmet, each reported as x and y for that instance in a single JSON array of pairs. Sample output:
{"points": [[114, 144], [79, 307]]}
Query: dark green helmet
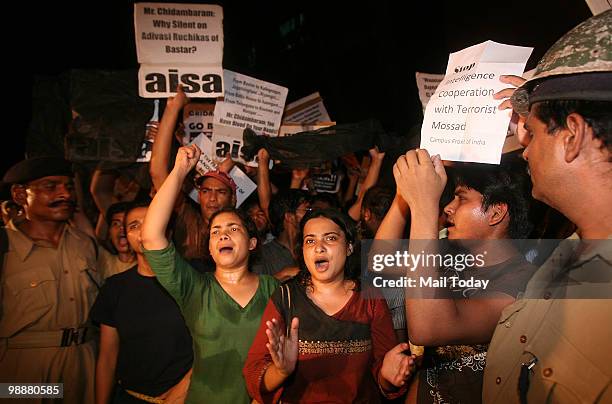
{"points": [[587, 48]]}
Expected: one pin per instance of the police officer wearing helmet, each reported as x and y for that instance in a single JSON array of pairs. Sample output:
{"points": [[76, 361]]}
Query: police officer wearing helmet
{"points": [[554, 344], [48, 284]]}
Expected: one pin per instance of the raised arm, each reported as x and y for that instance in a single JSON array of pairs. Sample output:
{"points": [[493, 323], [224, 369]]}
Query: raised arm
{"points": [[101, 189], [158, 214], [160, 155], [298, 175], [264, 190], [420, 180], [394, 223], [79, 218], [370, 180]]}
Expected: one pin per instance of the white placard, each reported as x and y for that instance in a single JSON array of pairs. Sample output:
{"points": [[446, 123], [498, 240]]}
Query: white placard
{"points": [[227, 139], [179, 33], [307, 110], [427, 84], [179, 43], [245, 186], [462, 122], [251, 103], [197, 118], [599, 6], [161, 81]]}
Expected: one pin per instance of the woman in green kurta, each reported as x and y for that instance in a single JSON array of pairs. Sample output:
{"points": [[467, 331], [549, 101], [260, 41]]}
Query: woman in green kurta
{"points": [[222, 309]]}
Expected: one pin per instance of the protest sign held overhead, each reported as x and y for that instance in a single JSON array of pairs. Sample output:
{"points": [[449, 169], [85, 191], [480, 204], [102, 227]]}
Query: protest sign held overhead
{"points": [[307, 110], [147, 144], [245, 186], [179, 44], [197, 118], [251, 103], [462, 122], [427, 84], [228, 139]]}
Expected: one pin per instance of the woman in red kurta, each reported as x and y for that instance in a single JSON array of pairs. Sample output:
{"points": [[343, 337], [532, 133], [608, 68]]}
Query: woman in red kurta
{"points": [[340, 346]]}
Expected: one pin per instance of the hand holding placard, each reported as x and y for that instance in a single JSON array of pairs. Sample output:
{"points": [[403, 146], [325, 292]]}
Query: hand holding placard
{"points": [[420, 180]]}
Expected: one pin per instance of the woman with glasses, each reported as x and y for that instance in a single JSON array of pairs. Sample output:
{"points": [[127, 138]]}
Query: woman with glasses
{"points": [[222, 309], [321, 339]]}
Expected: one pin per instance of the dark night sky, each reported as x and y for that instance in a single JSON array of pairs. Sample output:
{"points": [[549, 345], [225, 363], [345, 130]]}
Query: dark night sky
{"points": [[360, 57]]}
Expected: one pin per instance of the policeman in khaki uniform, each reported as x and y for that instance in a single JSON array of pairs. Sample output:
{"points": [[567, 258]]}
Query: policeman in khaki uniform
{"points": [[48, 285], [555, 344]]}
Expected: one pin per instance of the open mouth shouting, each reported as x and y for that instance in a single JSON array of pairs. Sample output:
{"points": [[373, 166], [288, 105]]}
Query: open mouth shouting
{"points": [[321, 264], [226, 249]]}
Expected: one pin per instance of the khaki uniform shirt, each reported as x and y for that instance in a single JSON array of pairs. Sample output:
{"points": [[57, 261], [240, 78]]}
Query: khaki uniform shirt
{"points": [[44, 290], [569, 338]]}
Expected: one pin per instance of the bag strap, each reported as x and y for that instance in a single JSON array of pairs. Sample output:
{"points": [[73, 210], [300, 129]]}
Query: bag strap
{"points": [[286, 299]]}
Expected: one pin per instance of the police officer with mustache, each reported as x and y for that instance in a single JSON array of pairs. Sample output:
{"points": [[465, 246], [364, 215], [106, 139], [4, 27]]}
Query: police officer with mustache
{"points": [[48, 283]]}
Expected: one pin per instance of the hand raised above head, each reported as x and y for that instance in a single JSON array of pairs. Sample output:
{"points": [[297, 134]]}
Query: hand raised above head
{"points": [[506, 94], [179, 100], [375, 154], [186, 158], [420, 179]]}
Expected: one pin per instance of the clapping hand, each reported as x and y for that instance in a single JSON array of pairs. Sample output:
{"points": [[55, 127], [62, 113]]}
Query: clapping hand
{"points": [[283, 349]]}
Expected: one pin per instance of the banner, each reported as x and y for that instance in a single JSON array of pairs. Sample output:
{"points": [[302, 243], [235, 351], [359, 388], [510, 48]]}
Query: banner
{"points": [[197, 118], [462, 122], [427, 84], [179, 44], [250, 103], [307, 110], [245, 186]]}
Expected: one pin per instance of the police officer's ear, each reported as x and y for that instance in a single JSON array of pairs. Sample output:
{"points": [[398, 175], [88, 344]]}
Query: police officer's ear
{"points": [[19, 194], [234, 200], [578, 133]]}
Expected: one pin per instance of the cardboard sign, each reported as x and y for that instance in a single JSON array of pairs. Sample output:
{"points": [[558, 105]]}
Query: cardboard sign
{"points": [[462, 122], [179, 43], [307, 110], [427, 84], [197, 118], [250, 103], [245, 186]]}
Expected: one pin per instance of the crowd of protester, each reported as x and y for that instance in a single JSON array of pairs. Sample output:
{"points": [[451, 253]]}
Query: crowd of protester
{"points": [[158, 298]]}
